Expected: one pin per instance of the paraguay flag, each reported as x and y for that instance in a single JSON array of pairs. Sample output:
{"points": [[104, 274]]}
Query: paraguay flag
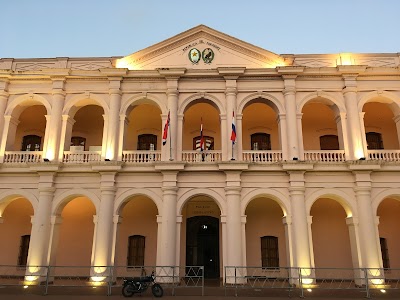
{"points": [[201, 136], [166, 127], [233, 135]]}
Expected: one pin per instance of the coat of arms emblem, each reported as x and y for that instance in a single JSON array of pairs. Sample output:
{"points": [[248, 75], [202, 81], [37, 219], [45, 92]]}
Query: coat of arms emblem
{"points": [[194, 55], [208, 55]]}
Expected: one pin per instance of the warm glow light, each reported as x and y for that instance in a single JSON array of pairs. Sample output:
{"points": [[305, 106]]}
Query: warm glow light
{"points": [[306, 280], [31, 278], [383, 291], [49, 154], [345, 59], [377, 281], [309, 290], [25, 286], [97, 279], [125, 63], [110, 154]]}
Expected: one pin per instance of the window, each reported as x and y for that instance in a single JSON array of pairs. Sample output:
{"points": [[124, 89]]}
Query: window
{"points": [[31, 143], [78, 141], [385, 253], [269, 252], [23, 250], [136, 246], [208, 140], [374, 141], [147, 142], [329, 142], [260, 141]]}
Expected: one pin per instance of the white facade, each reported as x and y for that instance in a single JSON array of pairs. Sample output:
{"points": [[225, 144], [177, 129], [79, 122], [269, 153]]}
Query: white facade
{"points": [[323, 205]]}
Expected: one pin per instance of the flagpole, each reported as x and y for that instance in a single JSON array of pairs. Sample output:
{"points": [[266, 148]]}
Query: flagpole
{"points": [[232, 151]]}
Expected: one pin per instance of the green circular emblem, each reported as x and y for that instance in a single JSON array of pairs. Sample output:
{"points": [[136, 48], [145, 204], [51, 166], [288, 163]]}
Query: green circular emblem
{"points": [[194, 55], [208, 55]]}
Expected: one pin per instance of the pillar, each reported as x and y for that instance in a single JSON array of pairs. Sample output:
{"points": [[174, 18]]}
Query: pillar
{"points": [[123, 124], [370, 250], [40, 234], [9, 131], [172, 95], [300, 234], [354, 131], [283, 136], [224, 137], [66, 134], [396, 119], [179, 139], [53, 132], [104, 233], [239, 137], [113, 121], [291, 116], [3, 104], [230, 95], [352, 225]]}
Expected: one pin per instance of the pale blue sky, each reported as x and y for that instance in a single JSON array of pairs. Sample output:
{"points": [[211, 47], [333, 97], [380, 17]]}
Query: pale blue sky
{"points": [[81, 28]]}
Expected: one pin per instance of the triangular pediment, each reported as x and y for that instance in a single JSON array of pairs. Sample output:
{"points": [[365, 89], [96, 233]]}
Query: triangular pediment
{"points": [[201, 48]]}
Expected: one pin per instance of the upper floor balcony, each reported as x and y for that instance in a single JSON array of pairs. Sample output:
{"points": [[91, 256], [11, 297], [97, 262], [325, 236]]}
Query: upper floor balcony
{"points": [[199, 132]]}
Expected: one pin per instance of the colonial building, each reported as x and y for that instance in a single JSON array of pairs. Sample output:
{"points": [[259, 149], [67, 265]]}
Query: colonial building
{"points": [[311, 179]]}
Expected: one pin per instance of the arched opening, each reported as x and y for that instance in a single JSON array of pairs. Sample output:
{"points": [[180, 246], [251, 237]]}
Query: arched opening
{"points": [[201, 236], [265, 234], [136, 243], [389, 223], [15, 230], [380, 127], [322, 134], [330, 235], [74, 231], [260, 130], [201, 119]]}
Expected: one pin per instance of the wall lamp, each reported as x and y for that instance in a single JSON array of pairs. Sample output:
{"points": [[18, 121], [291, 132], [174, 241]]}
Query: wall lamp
{"points": [[295, 158], [361, 158], [46, 159], [107, 159]]}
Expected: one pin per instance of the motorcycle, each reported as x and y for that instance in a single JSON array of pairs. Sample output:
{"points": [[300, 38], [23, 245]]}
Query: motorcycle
{"points": [[135, 285]]}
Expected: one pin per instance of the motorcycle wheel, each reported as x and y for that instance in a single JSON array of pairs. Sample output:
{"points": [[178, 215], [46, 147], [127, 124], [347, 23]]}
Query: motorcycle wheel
{"points": [[157, 290], [127, 291]]}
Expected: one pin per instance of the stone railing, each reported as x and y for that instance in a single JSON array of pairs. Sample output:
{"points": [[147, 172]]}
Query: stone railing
{"points": [[387, 155], [325, 155], [141, 156], [206, 156], [262, 156], [81, 156], [23, 156]]}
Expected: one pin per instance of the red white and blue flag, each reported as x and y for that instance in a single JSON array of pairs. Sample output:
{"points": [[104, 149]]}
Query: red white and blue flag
{"points": [[166, 127], [201, 136], [233, 135]]}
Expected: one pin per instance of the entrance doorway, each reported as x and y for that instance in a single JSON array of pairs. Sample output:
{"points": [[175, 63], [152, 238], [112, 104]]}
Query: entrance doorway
{"points": [[202, 244]]}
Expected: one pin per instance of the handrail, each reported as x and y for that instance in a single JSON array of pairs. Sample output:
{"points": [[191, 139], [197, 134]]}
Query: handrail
{"points": [[262, 155], [205, 156], [141, 156], [81, 156], [23, 156], [325, 155]]}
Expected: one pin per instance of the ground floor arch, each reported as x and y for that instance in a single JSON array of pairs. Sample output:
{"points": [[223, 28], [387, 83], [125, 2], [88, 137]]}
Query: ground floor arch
{"points": [[15, 231], [389, 237], [265, 234], [201, 236]]}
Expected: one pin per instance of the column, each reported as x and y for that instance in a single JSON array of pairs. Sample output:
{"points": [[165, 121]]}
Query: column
{"points": [[234, 242], [123, 124], [52, 147], [9, 131], [66, 134], [287, 223], [283, 136], [172, 95], [113, 121], [239, 137], [103, 239], [300, 136], [352, 225], [167, 248], [179, 143], [40, 234], [3, 104], [224, 137], [291, 116], [370, 250], [355, 138], [301, 243], [396, 119], [230, 94]]}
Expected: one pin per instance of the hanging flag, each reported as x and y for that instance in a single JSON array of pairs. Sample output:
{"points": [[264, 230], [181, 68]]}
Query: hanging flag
{"points": [[233, 135], [201, 136], [166, 127]]}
